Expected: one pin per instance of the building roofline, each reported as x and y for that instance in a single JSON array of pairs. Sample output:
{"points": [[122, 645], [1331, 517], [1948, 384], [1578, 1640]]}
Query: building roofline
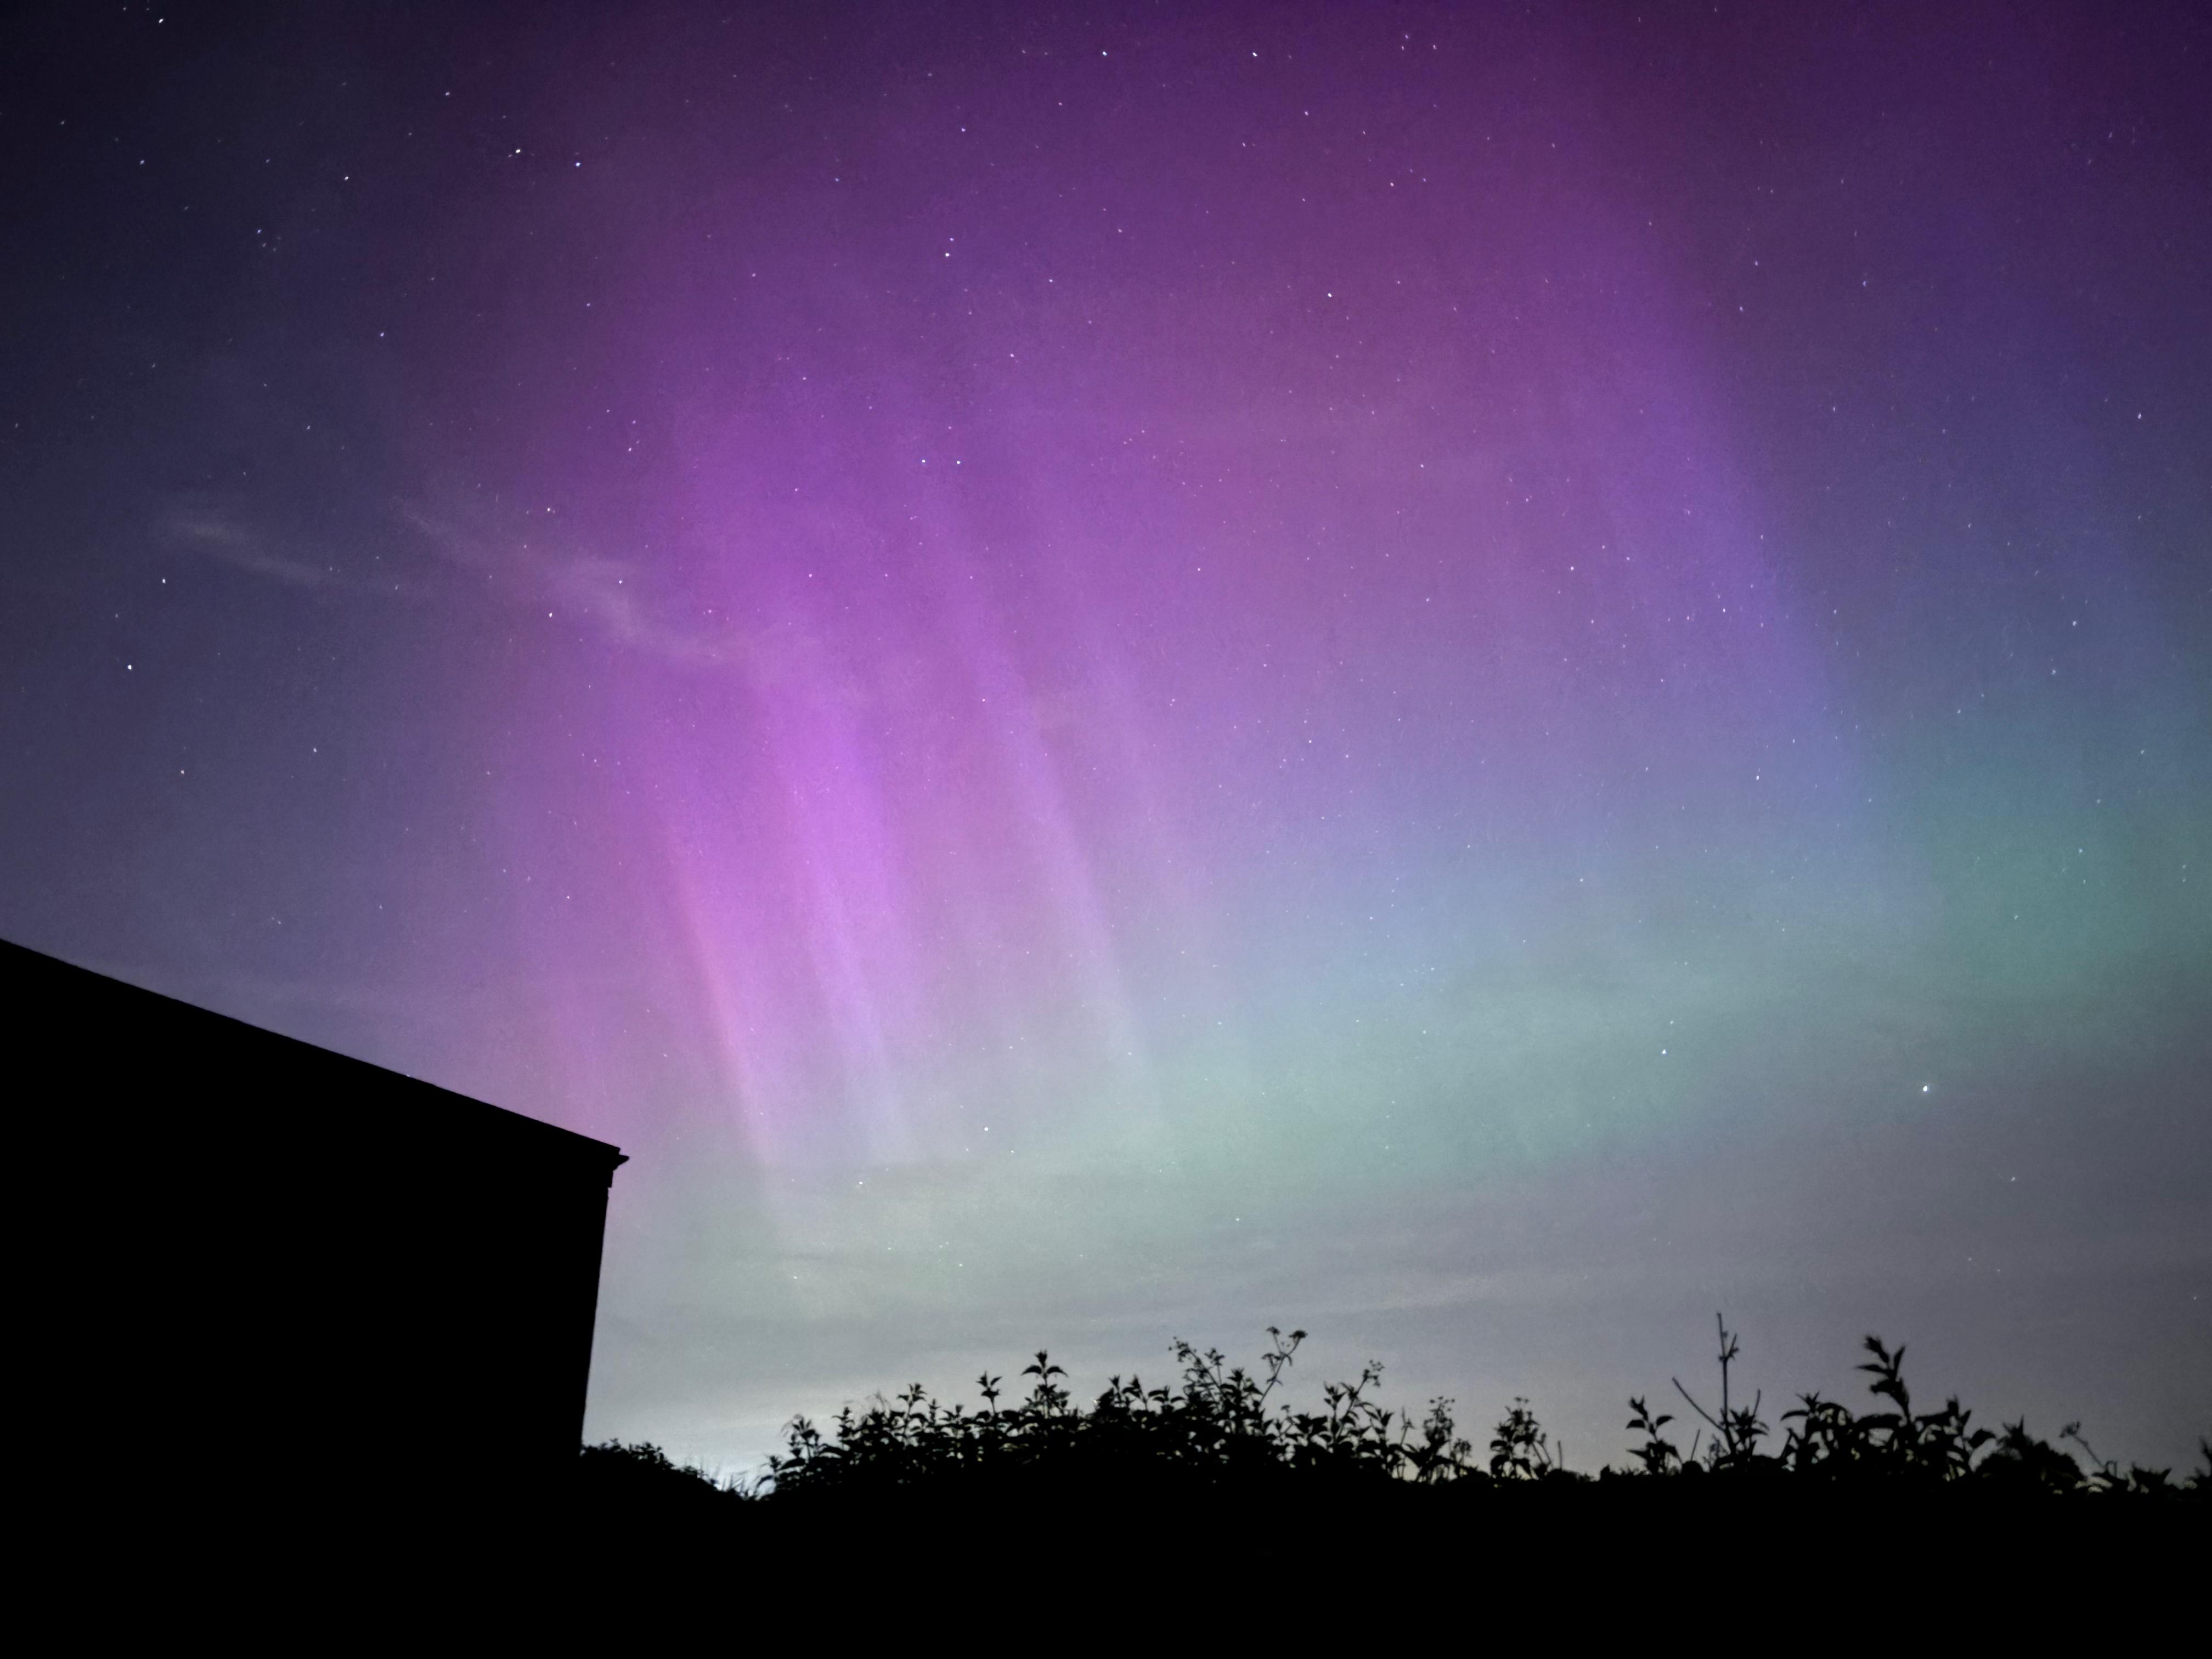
{"points": [[420, 1094]]}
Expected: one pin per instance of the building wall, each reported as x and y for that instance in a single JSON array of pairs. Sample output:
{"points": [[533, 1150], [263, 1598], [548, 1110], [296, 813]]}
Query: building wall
{"points": [[248, 1260]]}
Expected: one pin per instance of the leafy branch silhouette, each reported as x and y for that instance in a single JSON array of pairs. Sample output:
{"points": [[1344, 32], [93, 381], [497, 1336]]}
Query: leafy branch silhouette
{"points": [[1221, 1424]]}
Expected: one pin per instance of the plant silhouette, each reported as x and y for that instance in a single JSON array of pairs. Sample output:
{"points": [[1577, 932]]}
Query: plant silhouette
{"points": [[1221, 1427]]}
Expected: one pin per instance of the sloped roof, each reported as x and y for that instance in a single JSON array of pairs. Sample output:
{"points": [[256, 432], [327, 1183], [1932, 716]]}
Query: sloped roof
{"points": [[205, 1075]]}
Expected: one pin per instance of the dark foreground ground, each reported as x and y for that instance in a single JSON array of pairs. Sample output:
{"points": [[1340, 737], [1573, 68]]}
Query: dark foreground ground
{"points": [[1328, 1534], [628, 1558]]}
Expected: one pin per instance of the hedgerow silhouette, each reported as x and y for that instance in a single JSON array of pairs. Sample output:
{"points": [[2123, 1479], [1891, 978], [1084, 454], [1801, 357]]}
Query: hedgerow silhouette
{"points": [[1221, 1425]]}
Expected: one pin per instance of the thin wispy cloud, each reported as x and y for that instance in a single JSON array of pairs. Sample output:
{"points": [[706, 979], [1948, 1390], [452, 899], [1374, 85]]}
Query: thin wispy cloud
{"points": [[221, 532]]}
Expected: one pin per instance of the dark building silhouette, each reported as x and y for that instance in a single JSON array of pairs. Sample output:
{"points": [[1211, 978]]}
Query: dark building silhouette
{"points": [[245, 1260]]}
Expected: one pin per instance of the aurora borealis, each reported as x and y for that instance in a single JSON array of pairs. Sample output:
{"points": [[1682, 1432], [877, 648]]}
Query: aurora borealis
{"points": [[1478, 678]]}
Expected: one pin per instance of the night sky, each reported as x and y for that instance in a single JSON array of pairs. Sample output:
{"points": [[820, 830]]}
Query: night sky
{"points": [[1480, 678]]}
